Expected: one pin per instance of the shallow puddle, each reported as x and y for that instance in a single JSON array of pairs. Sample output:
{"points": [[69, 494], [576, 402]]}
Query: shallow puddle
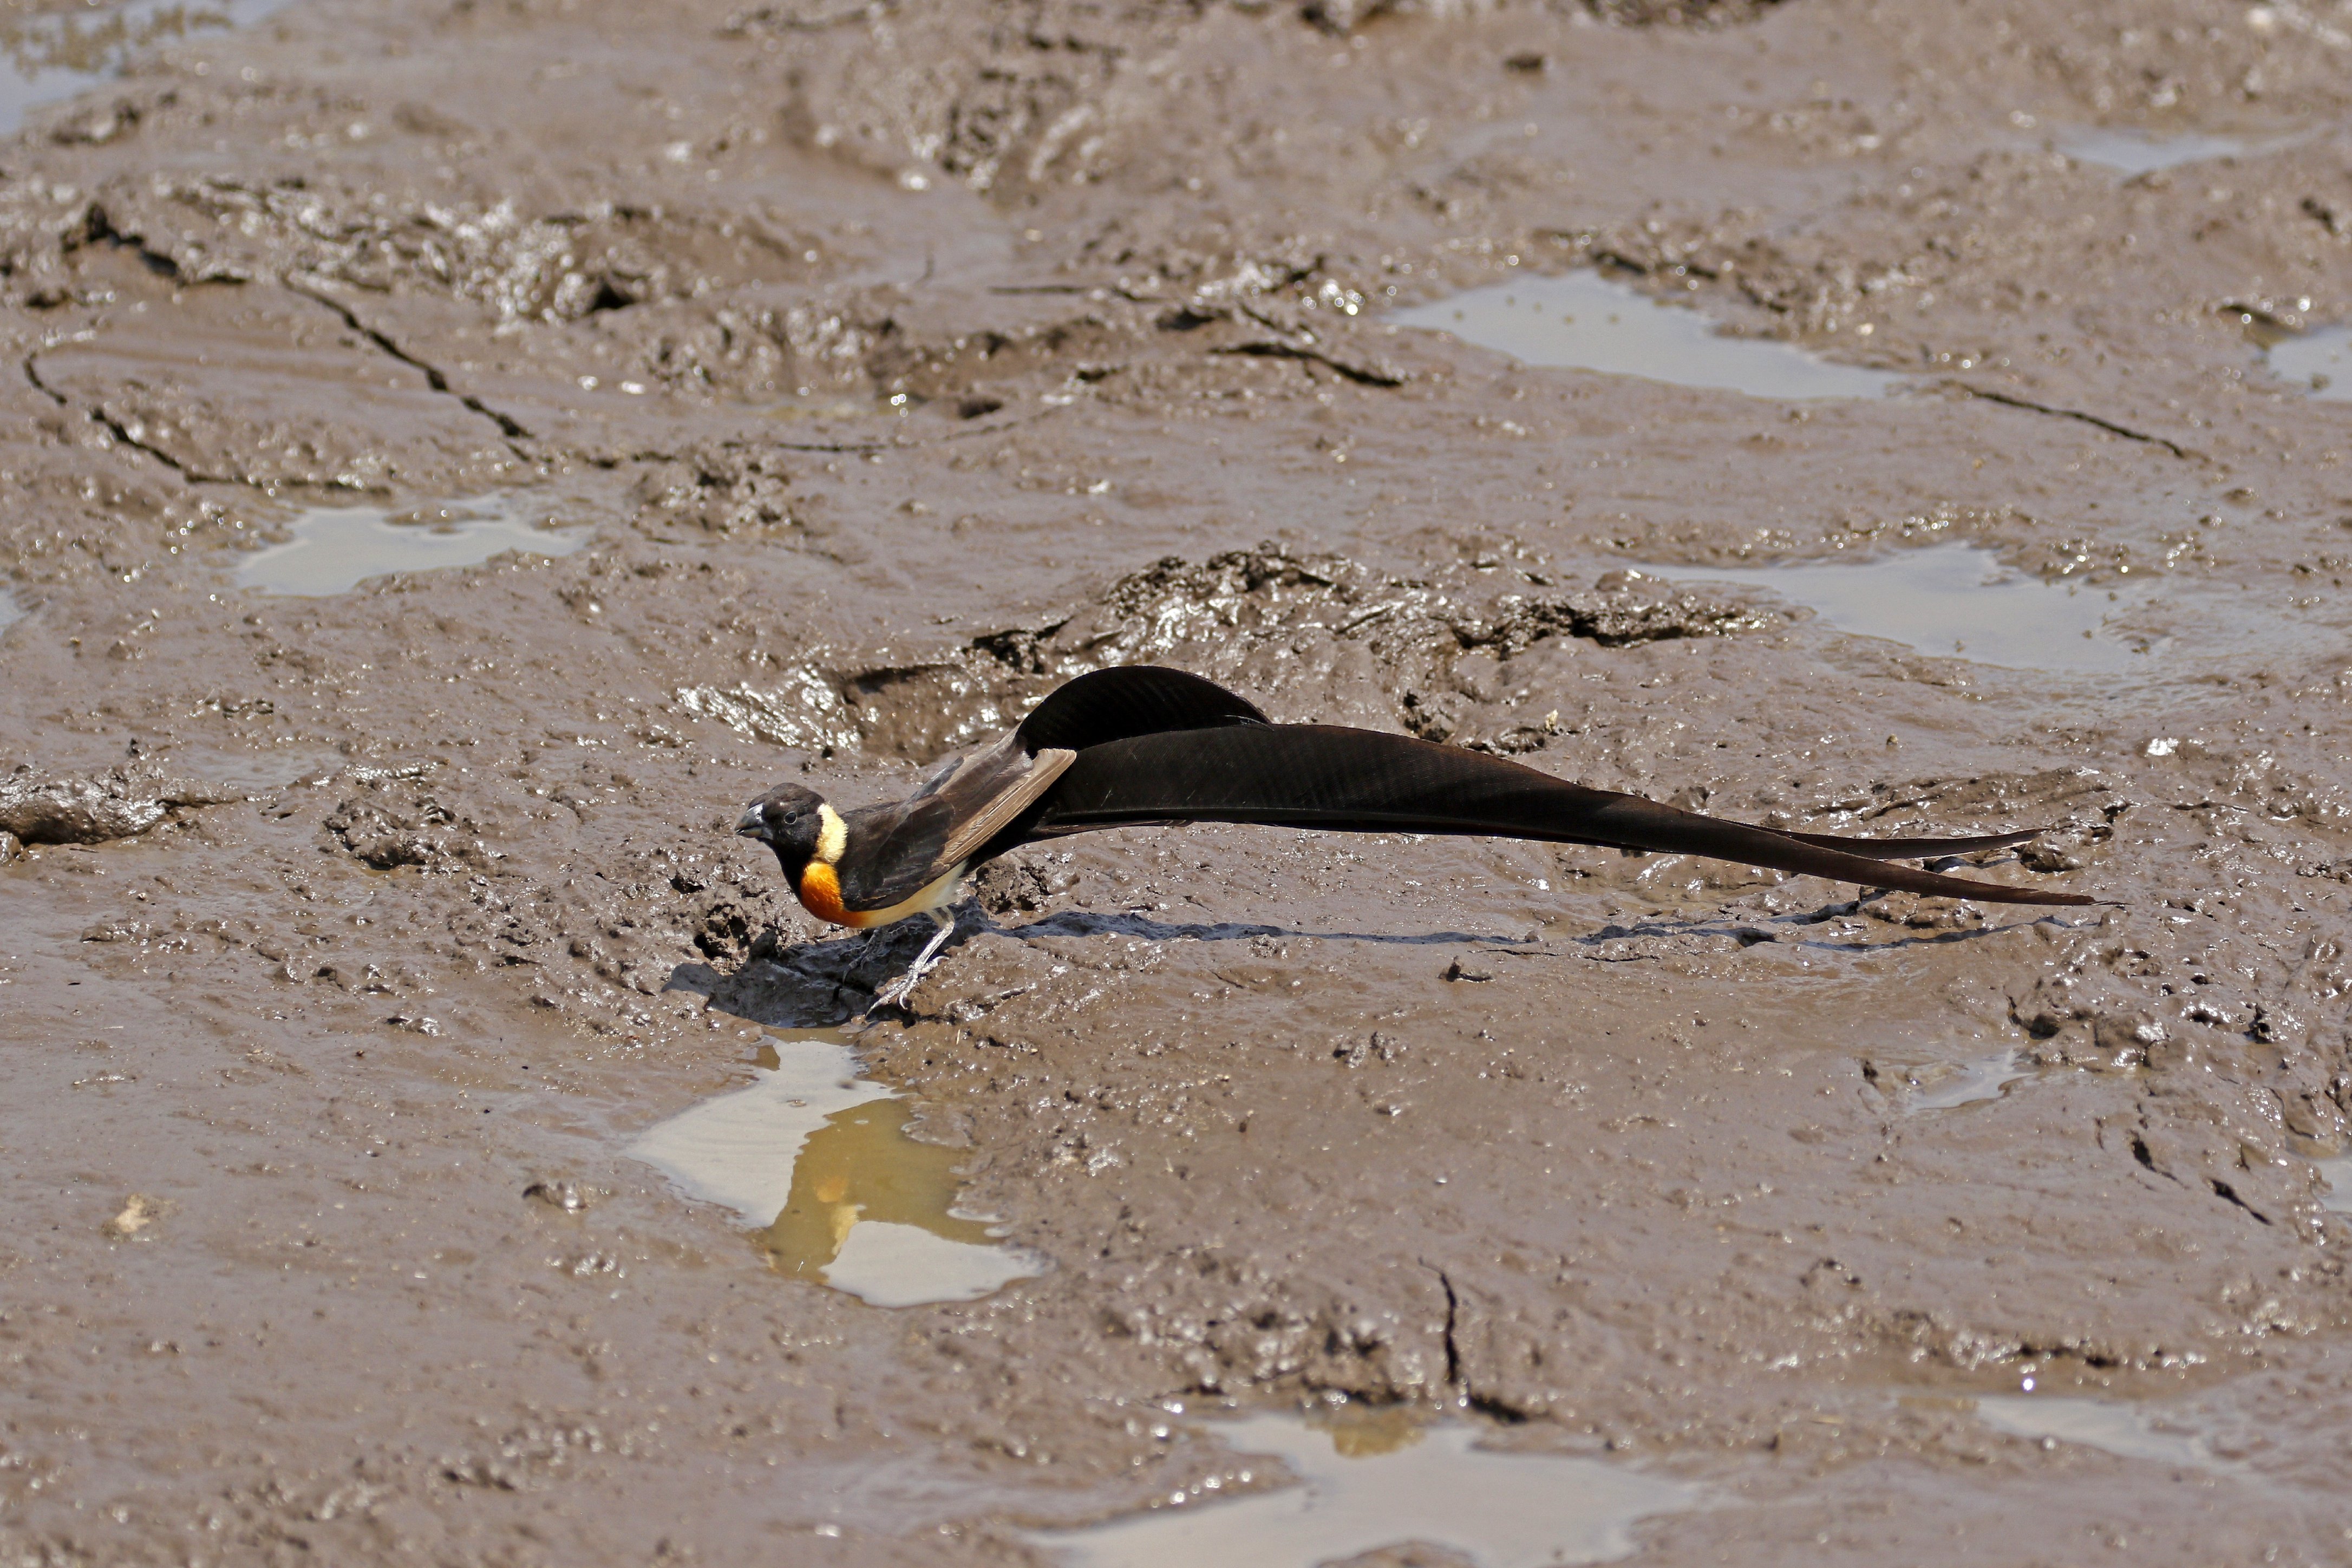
{"points": [[2337, 1173], [1363, 1485], [2130, 153], [817, 1160], [1943, 1086], [1583, 322], [54, 55], [2321, 361], [334, 549], [11, 612], [2112, 1425], [1955, 599]]}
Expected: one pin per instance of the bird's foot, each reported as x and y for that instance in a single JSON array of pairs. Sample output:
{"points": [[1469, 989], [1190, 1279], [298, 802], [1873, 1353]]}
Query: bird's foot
{"points": [[895, 994]]}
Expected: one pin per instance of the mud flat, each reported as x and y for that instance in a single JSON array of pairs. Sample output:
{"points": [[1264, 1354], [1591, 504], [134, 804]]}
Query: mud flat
{"points": [[399, 1052]]}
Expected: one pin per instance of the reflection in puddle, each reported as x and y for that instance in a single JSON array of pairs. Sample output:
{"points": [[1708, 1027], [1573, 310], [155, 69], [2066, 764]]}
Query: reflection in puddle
{"points": [[55, 53], [818, 1160], [2337, 1173], [336, 547], [1941, 1086], [2321, 361], [2110, 1426], [1583, 322], [1364, 1485], [872, 1212], [1954, 599], [2130, 153]]}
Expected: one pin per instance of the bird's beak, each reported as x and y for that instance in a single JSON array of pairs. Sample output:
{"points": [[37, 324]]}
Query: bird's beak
{"points": [[753, 826]]}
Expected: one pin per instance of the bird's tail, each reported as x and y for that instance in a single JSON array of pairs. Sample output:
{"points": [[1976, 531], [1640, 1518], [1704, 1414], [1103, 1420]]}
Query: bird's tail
{"points": [[1362, 781], [1129, 700]]}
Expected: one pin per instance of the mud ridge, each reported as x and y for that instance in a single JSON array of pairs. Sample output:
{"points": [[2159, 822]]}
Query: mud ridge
{"points": [[1218, 616]]}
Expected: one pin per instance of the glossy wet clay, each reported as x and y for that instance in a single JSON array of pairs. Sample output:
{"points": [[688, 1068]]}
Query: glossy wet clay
{"points": [[458, 457]]}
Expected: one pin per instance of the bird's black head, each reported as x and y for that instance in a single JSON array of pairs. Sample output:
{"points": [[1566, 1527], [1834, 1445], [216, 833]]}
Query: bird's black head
{"points": [[789, 820]]}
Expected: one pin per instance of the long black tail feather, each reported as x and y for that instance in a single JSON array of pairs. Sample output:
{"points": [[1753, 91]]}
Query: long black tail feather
{"points": [[1129, 700], [1339, 779], [1911, 848]]}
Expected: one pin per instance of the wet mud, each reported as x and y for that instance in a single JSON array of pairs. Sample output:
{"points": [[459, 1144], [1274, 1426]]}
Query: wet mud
{"points": [[753, 392]]}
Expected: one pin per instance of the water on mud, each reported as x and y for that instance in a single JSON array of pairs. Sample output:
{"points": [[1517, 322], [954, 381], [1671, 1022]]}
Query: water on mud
{"points": [[1583, 322], [2130, 153], [55, 54], [335, 549], [1955, 599], [2112, 1425], [11, 612], [1383, 1482], [2321, 361], [2337, 1173], [1943, 1086], [818, 1160]]}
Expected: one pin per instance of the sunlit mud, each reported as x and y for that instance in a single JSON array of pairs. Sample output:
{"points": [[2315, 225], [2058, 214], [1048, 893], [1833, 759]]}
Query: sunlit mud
{"points": [[1390, 1486], [897, 362], [1583, 322]]}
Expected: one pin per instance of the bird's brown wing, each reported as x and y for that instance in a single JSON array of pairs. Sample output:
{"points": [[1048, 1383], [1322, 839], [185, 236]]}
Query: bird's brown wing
{"points": [[1014, 796], [1327, 776], [896, 851], [890, 851]]}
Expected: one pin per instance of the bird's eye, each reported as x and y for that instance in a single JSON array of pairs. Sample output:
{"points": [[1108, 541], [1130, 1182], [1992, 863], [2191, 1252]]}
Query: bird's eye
{"points": [[793, 815]]}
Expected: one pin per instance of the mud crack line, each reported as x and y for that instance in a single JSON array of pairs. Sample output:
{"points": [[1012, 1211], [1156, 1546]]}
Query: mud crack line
{"points": [[1453, 1315], [121, 432], [2228, 1193], [508, 427], [1361, 374], [2008, 400], [850, 449]]}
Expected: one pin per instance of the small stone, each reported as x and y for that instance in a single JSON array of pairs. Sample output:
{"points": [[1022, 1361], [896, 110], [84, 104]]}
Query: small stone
{"points": [[2041, 857], [138, 1212], [562, 1193], [2125, 1041]]}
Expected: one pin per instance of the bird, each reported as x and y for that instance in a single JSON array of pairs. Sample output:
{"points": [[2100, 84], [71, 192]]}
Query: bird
{"points": [[1137, 745]]}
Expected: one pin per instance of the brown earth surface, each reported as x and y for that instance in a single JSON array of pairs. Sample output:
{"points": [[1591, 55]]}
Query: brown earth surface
{"points": [[904, 360]]}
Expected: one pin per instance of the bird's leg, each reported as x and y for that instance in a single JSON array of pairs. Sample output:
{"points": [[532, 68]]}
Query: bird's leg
{"points": [[896, 994]]}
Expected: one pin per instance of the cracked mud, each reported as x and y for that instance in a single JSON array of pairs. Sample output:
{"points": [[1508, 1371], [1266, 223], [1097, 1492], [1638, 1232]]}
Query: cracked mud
{"points": [[889, 364]]}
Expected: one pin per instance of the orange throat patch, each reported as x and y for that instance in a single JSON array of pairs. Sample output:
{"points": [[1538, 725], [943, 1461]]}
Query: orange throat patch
{"points": [[820, 892]]}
